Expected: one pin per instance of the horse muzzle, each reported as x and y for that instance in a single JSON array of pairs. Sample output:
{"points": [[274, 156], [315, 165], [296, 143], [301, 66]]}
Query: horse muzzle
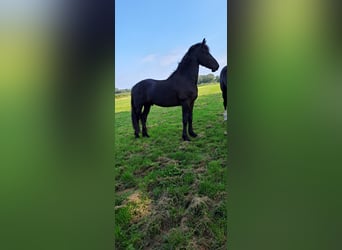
{"points": [[214, 69]]}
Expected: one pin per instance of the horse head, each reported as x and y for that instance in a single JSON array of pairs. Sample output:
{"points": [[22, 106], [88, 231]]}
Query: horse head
{"points": [[204, 57]]}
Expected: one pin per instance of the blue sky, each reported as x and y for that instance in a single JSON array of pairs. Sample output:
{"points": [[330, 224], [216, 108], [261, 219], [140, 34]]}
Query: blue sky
{"points": [[151, 36]]}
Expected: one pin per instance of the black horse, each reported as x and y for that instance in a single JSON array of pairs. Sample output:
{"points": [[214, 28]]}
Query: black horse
{"points": [[180, 89], [223, 85]]}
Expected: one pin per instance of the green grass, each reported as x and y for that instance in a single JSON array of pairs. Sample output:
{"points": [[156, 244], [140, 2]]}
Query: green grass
{"points": [[171, 194]]}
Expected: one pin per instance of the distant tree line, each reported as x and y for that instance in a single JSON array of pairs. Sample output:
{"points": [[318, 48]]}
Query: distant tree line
{"points": [[210, 78], [119, 91], [202, 79]]}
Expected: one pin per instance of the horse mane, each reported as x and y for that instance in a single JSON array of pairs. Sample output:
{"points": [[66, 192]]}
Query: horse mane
{"points": [[187, 58]]}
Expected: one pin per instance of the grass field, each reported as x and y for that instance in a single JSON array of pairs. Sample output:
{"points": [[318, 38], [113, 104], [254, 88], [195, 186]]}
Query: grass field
{"points": [[171, 194]]}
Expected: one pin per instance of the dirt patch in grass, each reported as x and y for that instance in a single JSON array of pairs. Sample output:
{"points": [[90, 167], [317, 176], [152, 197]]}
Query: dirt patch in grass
{"points": [[200, 170], [196, 243], [123, 192], [194, 220], [163, 161], [139, 206], [144, 170]]}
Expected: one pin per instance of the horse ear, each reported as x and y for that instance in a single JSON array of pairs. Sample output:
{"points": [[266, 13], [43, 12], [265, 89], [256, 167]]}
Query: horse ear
{"points": [[203, 42]]}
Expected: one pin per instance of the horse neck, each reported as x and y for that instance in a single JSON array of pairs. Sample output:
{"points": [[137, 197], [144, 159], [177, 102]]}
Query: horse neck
{"points": [[188, 69]]}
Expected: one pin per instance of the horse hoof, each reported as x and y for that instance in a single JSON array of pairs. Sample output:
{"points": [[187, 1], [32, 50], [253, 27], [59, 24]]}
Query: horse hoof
{"points": [[146, 135], [136, 136], [186, 138], [193, 134]]}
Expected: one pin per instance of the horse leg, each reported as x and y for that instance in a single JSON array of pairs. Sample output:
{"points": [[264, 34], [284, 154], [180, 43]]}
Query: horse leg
{"points": [[144, 119], [191, 131], [136, 113], [224, 95], [185, 114]]}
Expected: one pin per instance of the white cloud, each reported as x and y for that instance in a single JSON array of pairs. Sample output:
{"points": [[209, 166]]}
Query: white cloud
{"points": [[149, 58], [172, 58]]}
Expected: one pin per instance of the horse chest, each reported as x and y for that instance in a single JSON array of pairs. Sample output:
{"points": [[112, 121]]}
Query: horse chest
{"points": [[188, 93]]}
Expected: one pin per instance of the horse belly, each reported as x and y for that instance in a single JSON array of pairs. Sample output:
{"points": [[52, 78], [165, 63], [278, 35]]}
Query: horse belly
{"points": [[164, 97], [166, 101]]}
